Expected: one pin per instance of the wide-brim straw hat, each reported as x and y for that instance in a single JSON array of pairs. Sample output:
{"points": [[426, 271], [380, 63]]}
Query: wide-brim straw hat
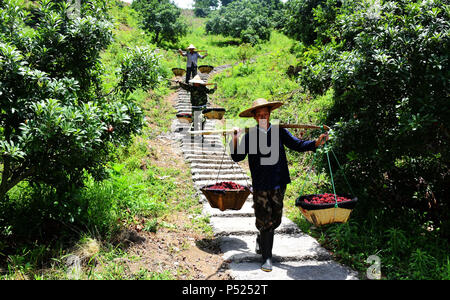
{"points": [[259, 103], [197, 79], [191, 47]]}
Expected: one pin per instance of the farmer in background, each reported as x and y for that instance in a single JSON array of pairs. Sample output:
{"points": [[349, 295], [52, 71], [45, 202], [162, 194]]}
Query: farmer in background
{"points": [[199, 97], [269, 178], [192, 58]]}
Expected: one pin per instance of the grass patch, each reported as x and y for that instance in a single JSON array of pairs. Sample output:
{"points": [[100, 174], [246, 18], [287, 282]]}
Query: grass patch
{"points": [[40, 229]]}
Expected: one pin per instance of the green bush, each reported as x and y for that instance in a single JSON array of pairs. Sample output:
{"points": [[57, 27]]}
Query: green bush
{"points": [[246, 19], [162, 18], [202, 8], [140, 68], [299, 20], [387, 63], [56, 121]]}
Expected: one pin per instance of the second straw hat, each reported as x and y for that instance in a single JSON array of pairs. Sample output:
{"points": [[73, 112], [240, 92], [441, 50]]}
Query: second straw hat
{"points": [[197, 79], [259, 103]]}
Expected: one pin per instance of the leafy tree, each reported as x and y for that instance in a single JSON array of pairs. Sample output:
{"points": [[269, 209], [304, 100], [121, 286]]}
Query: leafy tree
{"points": [[226, 2], [202, 8], [299, 21], [388, 64], [140, 68], [272, 6], [244, 19], [162, 18], [56, 123]]}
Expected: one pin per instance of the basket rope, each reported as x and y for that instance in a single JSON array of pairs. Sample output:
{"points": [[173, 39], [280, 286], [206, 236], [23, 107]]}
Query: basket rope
{"points": [[223, 156], [307, 174], [327, 150], [342, 169], [232, 165], [332, 180]]}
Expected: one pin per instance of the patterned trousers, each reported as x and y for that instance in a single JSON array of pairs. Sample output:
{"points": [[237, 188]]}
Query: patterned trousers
{"points": [[268, 207], [190, 73]]}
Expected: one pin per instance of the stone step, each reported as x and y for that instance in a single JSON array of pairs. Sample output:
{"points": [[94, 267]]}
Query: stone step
{"points": [[223, 170], [214, 172], [189, 135], [203, 160], [216, 166], [292, 270], [188, 138], [182, 124], [203, 150], [213, 157], [209, 143], [184, 111], [246, 210], [198, 143], [207, 146], [286, 247], [205, 127], [217, 156], [246, 226]]}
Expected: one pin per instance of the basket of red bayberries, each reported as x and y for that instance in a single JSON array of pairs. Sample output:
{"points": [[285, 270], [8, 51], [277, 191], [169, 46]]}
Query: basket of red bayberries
{"points": [[226, 195], [321, 209], [184, 118]]}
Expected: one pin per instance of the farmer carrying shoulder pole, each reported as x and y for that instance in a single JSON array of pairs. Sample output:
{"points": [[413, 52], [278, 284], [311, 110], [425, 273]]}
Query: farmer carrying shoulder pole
{"points": [[264, 144], [192, 58], [199, 96]]}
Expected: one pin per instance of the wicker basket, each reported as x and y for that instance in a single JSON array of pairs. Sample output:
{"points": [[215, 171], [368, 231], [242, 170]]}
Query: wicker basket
{"points": [[226, 199], [214, 113], [205, 69], [178, 71], [322, 214], [184, 118]]}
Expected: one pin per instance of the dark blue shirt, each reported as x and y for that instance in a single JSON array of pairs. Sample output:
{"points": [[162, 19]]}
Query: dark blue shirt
{"points": [[269, 170]]}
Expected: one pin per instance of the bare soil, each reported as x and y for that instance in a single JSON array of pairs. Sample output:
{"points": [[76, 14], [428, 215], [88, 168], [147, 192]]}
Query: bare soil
{"points": [[184, 252]]}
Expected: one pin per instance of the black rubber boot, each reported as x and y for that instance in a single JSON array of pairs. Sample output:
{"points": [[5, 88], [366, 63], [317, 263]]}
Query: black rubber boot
{"points": [[266, 250], [258, 243], [203, 128]]}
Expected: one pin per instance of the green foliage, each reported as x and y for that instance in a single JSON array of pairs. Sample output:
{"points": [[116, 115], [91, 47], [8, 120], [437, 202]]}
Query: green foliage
{"points": [[387, 63], [202, 8], [246, 19], [245, 51], [226, 2], [161, 18], [39, 223], [300, 21], [55, 122], [140, 68], [245, 82]]}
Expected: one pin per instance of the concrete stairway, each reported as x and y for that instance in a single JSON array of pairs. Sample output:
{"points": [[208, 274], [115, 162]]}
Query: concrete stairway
{"points": [[296, 255]]}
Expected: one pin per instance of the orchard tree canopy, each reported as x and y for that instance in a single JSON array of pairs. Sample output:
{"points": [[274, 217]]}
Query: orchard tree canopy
{"points": [[388, 65], [244, 19], [202, 8], [226, 2], [55, 121], [162, 18], [299, 18]]}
